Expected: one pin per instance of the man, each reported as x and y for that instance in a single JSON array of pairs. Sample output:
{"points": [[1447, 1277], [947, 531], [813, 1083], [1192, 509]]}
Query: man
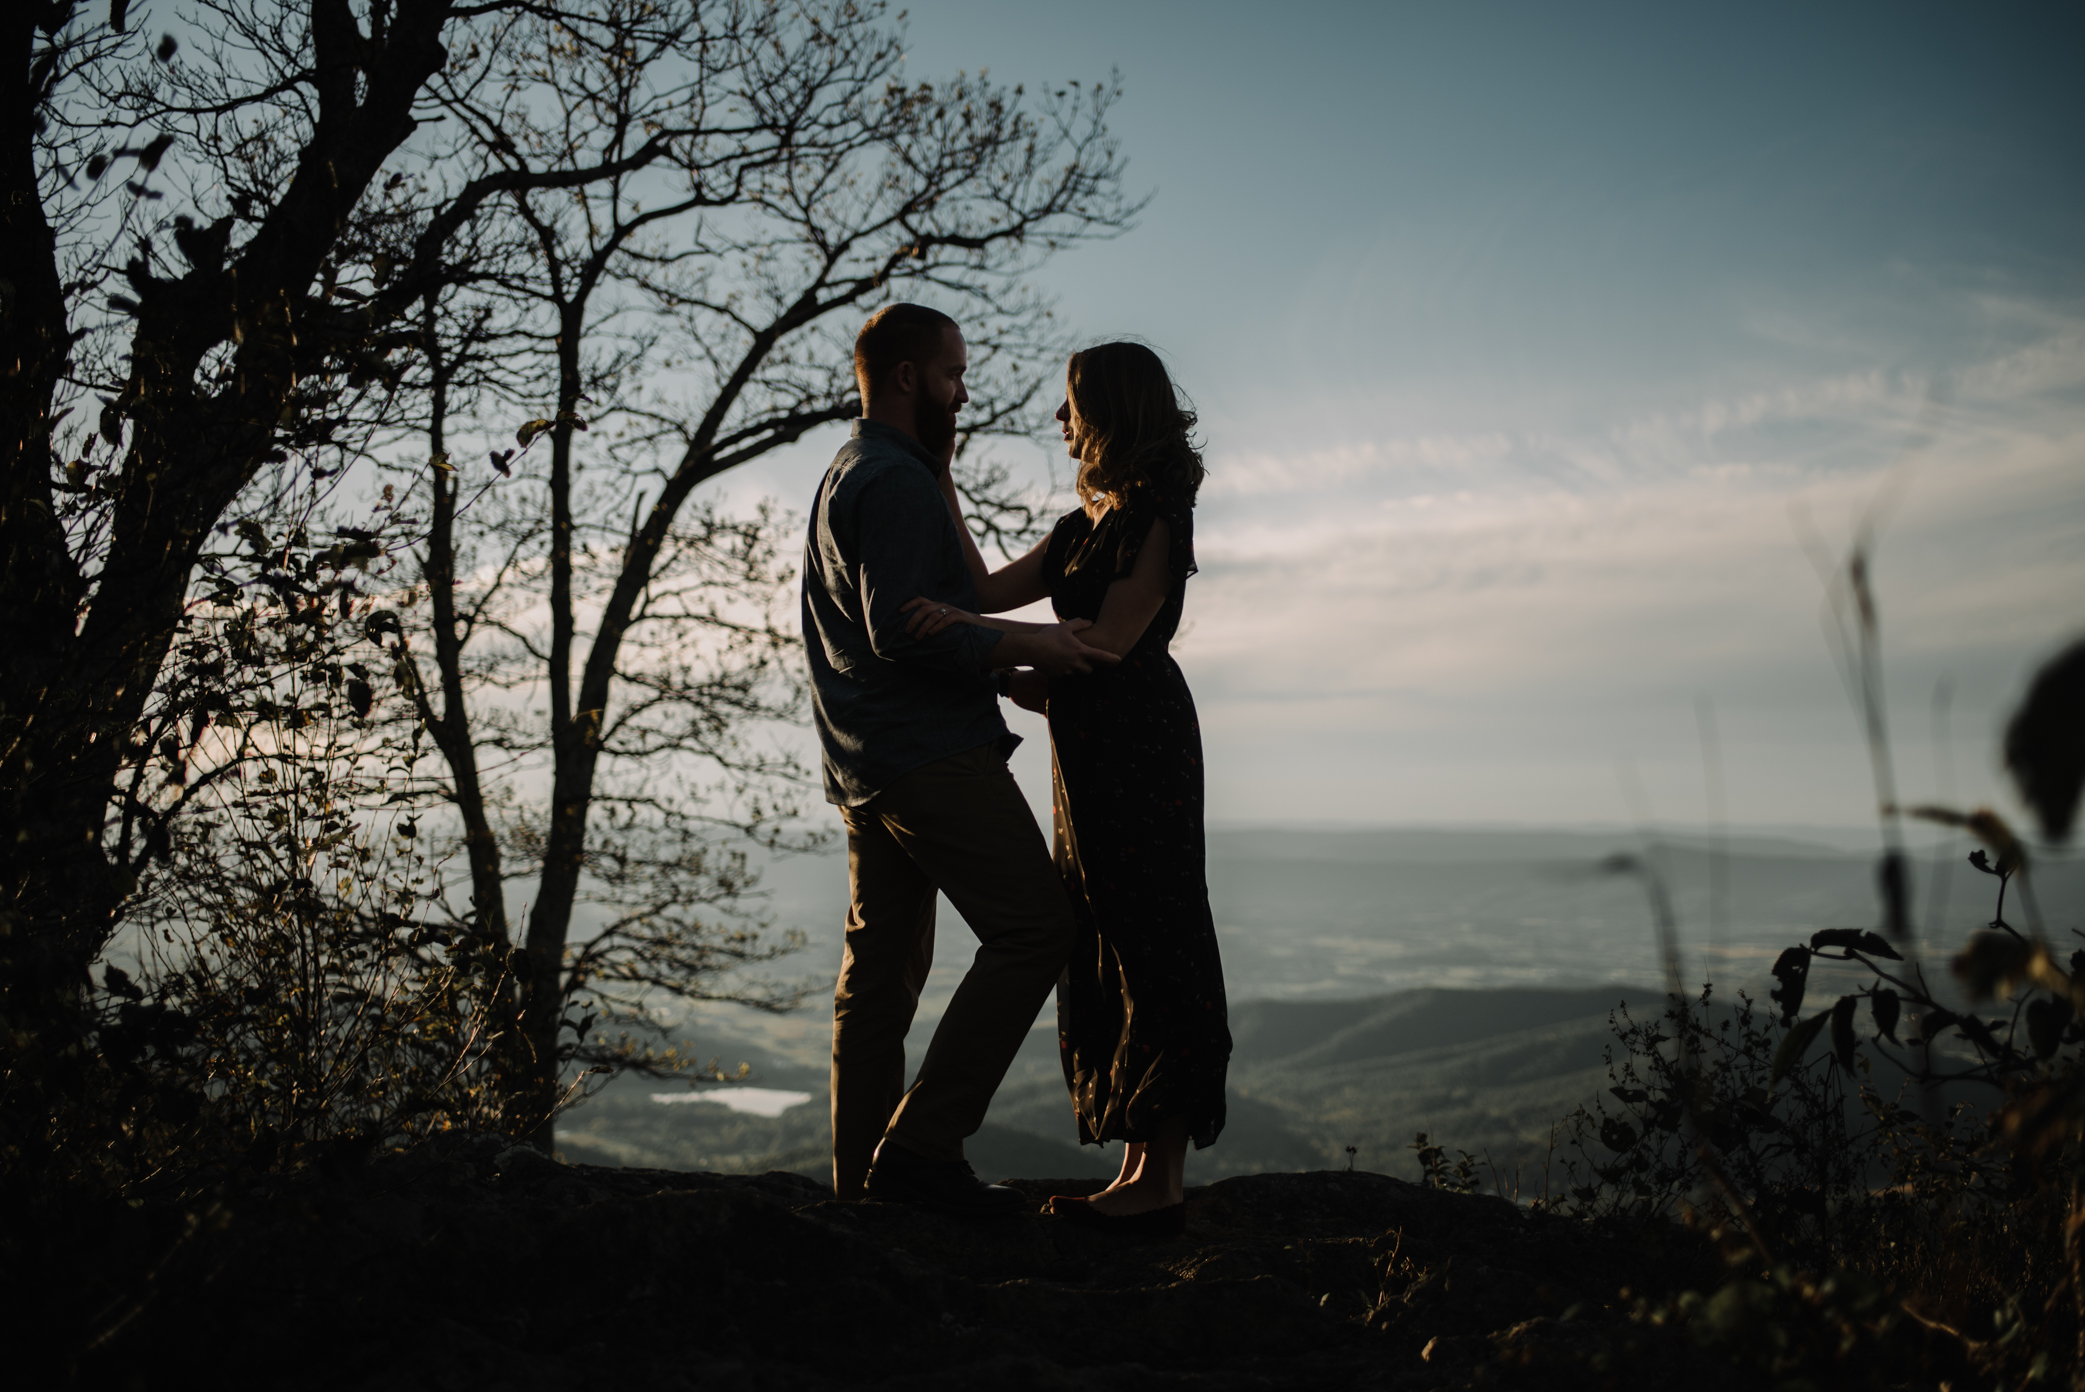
{"points": [[915, 756]]}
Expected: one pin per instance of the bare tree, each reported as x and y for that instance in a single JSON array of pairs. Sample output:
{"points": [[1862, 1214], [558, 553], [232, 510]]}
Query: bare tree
{"points": [[670, 323], [268, 197]]}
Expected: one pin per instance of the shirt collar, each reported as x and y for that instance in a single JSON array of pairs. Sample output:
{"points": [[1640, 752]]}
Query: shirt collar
{"points": [[866, 429]]}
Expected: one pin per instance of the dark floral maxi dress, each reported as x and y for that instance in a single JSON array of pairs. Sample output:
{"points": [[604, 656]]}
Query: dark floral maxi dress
{"points": [[1140, 1010]]}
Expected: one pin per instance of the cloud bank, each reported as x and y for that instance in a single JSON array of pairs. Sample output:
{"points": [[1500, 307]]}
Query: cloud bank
{"points": [[1485, 626]]}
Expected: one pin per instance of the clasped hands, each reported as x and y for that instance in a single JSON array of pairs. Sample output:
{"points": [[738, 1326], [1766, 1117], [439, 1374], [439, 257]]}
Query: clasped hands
{"points": [[1051, 648], [927, 617]]}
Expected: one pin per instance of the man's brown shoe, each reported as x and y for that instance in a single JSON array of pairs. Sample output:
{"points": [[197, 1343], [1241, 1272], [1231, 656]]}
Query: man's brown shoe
{"points": [[898, 1175]]}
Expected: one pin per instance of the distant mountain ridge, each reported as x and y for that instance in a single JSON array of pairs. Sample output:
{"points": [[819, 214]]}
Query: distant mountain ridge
{"points": [[1383, 982], [1448, 844], [1451, 845], [1318, 1034]]}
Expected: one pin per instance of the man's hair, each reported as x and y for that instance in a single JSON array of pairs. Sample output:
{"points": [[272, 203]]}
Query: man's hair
{"points": [[897, 333]]}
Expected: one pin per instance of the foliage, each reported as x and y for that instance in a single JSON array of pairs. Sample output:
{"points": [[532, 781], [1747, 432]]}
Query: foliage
{"points": [[1925, 1154], [246, 1014], [315, 1013], [1800, 1330], [1458, 1176], [1698, 1076]]}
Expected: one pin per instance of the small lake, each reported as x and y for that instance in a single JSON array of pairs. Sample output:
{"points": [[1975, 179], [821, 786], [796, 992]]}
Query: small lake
{"points": [[753, 1101]]}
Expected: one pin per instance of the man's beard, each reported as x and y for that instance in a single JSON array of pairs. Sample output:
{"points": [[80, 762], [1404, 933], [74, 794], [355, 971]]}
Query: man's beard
{"points": [[936, 425]]}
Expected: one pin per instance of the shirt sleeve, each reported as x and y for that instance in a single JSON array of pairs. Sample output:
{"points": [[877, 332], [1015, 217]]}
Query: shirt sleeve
{"points": [[901, 524]]}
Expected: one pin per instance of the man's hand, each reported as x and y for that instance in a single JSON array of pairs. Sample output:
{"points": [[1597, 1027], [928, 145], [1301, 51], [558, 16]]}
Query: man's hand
{"points": [[925, 617], [1054, 650]]}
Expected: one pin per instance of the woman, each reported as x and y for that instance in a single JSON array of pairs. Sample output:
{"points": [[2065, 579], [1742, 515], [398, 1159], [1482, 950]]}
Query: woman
{"points": [[1141, 1014]]}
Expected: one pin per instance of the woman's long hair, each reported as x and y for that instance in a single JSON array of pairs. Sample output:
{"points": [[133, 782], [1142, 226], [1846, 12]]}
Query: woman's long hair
{"points": [[1131, 427]]}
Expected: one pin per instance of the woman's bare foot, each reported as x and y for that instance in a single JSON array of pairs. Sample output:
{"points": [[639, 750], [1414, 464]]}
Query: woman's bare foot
{"points": [[1140, 1197], [1158, 1181], [1132, 1164]]}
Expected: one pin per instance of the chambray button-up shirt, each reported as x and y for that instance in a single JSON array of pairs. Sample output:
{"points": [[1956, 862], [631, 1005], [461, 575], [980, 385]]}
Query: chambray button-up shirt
{"points": [[886, 703]]}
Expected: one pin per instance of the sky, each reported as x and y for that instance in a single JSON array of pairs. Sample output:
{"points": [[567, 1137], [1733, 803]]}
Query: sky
{"points": [[1530, 342]]}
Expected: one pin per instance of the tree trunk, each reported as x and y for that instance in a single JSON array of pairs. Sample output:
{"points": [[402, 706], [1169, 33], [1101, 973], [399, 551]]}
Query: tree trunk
{"points": [[44, 858], [493, 960]]}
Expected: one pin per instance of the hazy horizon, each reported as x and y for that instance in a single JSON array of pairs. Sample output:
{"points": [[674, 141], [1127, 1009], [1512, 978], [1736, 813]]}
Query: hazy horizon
{"points": [[1341, 944]]}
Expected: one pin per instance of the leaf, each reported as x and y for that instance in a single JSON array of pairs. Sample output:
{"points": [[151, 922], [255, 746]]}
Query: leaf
{"points": [[360, 697], [1986, 826], [1991, 962], [1789, 1056], [1854, 940], [2042, 1117], [2043, 971], [2045, 743], [149, 157], [1883, 1001], [530, 430], [1980, 1033], [2046, 1020], [1792, 970], [1843, 1041], [1617, 1135], [118, 983]]}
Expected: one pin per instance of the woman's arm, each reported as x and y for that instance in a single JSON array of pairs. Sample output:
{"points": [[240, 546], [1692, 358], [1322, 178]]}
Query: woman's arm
{"points": [[1009, 587], [1132, 602], [1127, 609]]}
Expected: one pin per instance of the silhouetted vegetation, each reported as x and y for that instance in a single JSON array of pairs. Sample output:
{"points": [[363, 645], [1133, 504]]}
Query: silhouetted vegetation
{"points": [[1893, 1178], [298, 697]]}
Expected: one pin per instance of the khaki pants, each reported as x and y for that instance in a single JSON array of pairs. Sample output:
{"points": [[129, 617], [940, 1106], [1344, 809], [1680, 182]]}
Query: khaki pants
{"points": [[959, 825]]}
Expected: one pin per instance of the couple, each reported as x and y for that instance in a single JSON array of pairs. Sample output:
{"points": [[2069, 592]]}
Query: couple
{"points": [[906, 673]]}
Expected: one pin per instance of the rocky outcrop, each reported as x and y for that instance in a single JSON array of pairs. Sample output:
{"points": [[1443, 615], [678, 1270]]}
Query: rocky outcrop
{"points": [[474, 1264]]}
